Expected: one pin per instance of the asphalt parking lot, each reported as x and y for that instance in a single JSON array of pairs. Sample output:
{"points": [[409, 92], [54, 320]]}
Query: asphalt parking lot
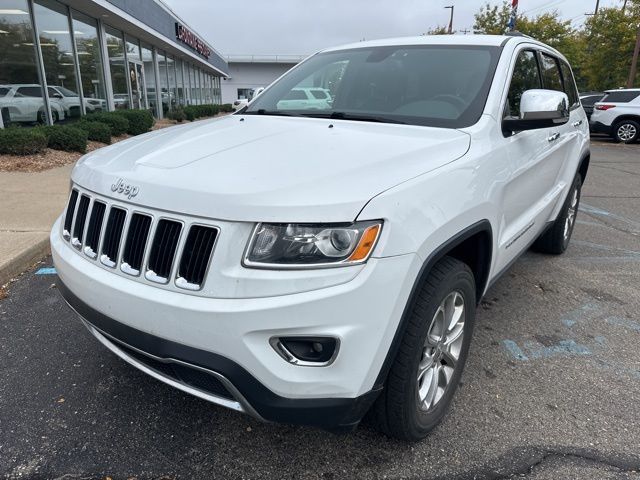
{"points": [[551, 389]]}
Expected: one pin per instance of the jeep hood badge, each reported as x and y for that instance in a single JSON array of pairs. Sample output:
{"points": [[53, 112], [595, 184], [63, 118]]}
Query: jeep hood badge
{"points": [[129, 191]]}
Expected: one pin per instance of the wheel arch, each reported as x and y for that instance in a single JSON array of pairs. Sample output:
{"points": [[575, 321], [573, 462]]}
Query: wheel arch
{"points": [[472, 246], [583, 166]]}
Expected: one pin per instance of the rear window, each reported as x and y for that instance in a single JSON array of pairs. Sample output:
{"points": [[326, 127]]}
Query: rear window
{"points": [[569, 85], [590, 100], [30, 92], [620, 97], [319, 94]]}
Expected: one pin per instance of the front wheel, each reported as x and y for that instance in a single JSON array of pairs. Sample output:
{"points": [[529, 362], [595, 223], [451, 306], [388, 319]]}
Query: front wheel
{"points": [[627, 131], [433, 350]]}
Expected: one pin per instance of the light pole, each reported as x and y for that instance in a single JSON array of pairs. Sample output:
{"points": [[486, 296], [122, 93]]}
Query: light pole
{"points": [[450, 30]]}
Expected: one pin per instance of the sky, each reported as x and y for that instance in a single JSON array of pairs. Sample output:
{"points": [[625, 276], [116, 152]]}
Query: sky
{"points": [[301, 27]]}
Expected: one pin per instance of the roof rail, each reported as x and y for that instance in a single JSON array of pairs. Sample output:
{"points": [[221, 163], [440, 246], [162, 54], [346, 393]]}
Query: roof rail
{"points": [[518, 34]]}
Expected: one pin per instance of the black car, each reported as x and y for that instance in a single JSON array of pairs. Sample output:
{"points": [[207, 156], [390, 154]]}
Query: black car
{"points": [[588, 99]]}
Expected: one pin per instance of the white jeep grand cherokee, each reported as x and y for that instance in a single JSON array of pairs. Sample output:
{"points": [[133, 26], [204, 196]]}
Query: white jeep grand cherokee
{"points": [[310, 266]]}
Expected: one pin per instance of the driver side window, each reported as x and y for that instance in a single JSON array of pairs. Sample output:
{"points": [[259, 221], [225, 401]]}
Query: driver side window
{"points": [[526, 76]]}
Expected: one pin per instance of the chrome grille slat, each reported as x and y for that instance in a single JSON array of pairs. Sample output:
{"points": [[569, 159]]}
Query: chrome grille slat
{"points": [[80, 221], [168, 250]]}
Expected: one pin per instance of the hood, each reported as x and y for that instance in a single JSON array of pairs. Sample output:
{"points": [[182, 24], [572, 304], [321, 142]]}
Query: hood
{"points": [[265, 168]]}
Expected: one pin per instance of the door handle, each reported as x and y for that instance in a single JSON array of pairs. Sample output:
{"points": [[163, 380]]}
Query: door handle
{"points": [[577, 124], [553, 137]]}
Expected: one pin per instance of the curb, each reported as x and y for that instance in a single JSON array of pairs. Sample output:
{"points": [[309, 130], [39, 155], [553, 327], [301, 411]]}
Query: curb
{"points": [[24, 260]]}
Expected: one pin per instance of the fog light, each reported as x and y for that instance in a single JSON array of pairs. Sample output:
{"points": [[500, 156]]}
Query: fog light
{"points": [[306, 351]]}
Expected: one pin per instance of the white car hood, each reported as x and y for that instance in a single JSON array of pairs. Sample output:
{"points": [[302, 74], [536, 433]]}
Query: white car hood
{"points": [[265, 168]]}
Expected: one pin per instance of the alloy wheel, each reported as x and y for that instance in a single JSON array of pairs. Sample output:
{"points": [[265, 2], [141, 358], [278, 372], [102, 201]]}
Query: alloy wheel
{"points": [[571, 215], [441, 351], [626, 132]]}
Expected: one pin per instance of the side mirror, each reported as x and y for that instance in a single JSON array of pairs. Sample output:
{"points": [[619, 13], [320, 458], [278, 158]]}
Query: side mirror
{"points": [[539, 109], [57, 95]]}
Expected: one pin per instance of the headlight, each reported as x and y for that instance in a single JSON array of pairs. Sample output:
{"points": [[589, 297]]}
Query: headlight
{"points": [[300, 245]]}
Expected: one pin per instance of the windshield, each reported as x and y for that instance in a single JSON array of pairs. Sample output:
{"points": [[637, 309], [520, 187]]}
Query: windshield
{"points": [[432, 85]]}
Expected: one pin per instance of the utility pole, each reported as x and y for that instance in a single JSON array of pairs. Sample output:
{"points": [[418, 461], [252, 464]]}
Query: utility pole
{"points": [[595, 12], [624, 6], [634, 62], [450, 30]]}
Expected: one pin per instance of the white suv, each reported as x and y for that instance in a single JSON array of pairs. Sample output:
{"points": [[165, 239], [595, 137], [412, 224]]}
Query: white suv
{"points": [[618, 115], [310, 266]]}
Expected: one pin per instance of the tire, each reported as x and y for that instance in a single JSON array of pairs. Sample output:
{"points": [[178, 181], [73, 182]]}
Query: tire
{"points": [[55, 117], [41, 117], [626, 131], [556, 239], [410, 407]]}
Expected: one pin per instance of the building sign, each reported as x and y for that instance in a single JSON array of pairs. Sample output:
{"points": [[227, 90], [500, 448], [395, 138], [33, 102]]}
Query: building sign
{"points": [[195, 43]]}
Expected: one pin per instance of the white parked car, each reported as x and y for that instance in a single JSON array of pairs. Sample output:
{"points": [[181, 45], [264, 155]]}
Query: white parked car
{"points": [[25, 104], [70, 101], [307, 266], [306, 98], [618, 115]]}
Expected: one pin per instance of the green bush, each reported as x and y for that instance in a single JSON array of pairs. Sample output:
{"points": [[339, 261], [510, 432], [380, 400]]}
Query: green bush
{"points": [[118, 124], [178, 115], [198, 111], [22, 141], [65, 137], [96, 131], [226, 108], [140, 121]]}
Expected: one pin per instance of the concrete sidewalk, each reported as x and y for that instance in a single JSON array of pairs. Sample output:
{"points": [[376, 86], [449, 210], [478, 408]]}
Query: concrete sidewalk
{"points": [[30, 203]]}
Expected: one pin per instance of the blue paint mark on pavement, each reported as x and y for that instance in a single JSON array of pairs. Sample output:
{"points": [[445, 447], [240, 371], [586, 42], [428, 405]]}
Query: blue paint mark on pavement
{"points": [[536, 351], [571, 318], [600, 339], [514, 350], [623, 322], [563, 347], [46, 271]]}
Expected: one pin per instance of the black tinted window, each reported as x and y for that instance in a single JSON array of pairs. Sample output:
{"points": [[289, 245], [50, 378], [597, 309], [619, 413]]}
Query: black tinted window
{"points": [[3, 91], [29, 92], [590, 100], [620, 97], [551, 73], [569, 84], [525, 77], [319, 94]]}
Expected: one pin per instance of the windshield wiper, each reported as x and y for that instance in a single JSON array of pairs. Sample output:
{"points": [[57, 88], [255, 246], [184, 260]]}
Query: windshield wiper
{"points": [[278, 113], [363, 117]]}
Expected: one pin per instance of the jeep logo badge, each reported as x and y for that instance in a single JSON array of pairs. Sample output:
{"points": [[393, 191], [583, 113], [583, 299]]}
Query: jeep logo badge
{"points": [[129, 190]]}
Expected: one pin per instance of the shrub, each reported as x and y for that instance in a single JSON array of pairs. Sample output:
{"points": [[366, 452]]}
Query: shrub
{"points": [[178, 115], [198, 111], [226, 108], [140, 121], [65, 137], [22, 141], [96, 131], [118, 124]]}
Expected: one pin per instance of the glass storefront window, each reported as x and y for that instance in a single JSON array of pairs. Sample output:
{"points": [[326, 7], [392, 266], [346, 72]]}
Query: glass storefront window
{"points": [[179, 82], [18, 66], [90, 63], [192, 85], [173, 87], [136, 74], [52, 24], [163, 74], [115, 50], [149, 77]]}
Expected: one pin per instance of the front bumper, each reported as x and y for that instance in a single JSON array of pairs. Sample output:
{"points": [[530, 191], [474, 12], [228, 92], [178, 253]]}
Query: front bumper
{"points": [[229, 338]]}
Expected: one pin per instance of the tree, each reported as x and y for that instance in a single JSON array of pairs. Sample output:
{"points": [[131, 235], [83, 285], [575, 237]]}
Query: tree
{"points": [[610, 39], [437, 31], [492, 20]]}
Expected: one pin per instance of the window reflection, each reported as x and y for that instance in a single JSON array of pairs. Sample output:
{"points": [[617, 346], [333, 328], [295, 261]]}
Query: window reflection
{"points": [[57, 54], [149, 78], [115, 51], [90, 62], [18, 66]]}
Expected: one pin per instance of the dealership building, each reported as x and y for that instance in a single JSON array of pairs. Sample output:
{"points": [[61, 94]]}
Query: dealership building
{"points": [[61, 59], [248, 72]]}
